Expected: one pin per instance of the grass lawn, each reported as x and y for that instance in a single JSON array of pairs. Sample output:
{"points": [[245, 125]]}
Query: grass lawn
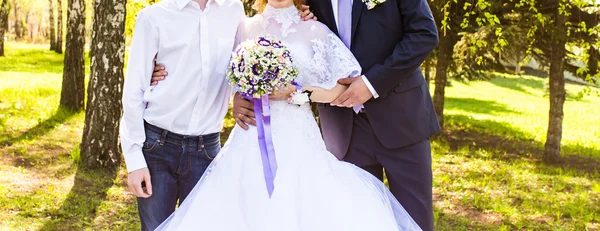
{"points": [[487, 169]]}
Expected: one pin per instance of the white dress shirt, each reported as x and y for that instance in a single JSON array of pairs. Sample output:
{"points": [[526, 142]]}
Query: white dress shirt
{"points": [[195, 47], [334, 4]]}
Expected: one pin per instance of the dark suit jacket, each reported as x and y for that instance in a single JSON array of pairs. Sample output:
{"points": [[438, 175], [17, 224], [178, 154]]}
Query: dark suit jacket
{"points": [[390, 42]]}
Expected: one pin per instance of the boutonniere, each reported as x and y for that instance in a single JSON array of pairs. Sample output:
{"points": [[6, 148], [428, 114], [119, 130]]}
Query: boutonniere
{"points": [[373, 3]]}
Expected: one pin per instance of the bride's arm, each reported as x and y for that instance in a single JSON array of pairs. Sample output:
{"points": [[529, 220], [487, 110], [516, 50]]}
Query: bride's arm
{"points": [[321, 95]]}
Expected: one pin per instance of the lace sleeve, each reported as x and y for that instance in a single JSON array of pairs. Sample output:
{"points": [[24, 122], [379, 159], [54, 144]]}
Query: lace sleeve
{"points": [[239, 35], [332, 60]]}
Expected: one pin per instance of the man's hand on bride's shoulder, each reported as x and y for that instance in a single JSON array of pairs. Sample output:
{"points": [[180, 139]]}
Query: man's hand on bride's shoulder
{"points": [[306, 14], [159, 74], [243, 111]]}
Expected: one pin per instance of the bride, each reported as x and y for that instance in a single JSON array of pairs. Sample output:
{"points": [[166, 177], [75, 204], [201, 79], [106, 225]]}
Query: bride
{"points": [[313, 190]]}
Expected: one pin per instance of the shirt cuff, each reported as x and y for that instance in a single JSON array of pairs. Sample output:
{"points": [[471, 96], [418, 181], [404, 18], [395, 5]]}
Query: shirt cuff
{"points": [[370, 87], [135, 161]]}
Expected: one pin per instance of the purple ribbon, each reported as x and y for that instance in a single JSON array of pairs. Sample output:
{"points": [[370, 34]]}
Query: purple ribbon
{"points": [[298, 87], [265, 141]]}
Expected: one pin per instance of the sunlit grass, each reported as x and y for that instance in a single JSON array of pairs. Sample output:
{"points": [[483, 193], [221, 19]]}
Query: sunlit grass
{"points": [[488, 173], [518, 107], [40, 186]]}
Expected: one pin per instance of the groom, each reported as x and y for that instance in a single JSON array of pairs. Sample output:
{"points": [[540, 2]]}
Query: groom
{"points": [[390, 41]]}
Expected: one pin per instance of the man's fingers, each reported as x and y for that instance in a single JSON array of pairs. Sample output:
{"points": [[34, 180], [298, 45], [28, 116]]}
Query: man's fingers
{"points": [[148, 184], [154, 79], [304, 8], [245, 121], [348, 102], [138, 191], [159, 68], [160, 74], [309, 16], [241, 124], [154, 83], [247, 104], [342, 98], [248, 113], [131, 189], [248, 120], [245, 112], [346, 81]]}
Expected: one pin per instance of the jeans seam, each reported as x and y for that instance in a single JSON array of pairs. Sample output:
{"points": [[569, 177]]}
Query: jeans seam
{"points": [[188, 160]]}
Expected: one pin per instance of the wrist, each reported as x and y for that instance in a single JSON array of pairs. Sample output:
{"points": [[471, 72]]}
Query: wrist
{"points": [[299, 97]]}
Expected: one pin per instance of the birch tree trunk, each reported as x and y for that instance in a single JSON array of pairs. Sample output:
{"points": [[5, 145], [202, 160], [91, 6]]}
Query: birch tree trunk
{"points": [[3, 23], [59, 28], [100, 143], [51, 25], [73, 89]]}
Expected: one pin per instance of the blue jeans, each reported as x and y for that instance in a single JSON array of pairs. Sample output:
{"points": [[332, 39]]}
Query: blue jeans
{"points": [[176, 163]]}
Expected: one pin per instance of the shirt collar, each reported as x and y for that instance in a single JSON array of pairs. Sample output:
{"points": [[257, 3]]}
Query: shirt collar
{"points": [[182, 3]]}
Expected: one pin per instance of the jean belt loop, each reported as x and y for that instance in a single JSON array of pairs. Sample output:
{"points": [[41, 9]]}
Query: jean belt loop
{"points": [[200, 143], [163, 137]]}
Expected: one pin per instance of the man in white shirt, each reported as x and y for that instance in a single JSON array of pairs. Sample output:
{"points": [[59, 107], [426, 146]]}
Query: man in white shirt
{"points": [[170, 132]]}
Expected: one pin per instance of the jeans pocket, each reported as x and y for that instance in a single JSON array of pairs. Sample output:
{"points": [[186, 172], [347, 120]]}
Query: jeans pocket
{"points": [[211, 150], [150, 144]]}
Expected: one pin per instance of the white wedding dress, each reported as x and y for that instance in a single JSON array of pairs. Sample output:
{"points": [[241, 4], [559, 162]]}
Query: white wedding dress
{"points": [[313, 190]]}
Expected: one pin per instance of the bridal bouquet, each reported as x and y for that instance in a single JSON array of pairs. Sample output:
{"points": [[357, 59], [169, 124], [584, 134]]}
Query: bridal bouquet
{"points": [[259, 66]]}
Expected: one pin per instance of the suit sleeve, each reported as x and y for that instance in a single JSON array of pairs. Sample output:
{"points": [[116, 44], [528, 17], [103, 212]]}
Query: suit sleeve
{"points": [[420, 38]]}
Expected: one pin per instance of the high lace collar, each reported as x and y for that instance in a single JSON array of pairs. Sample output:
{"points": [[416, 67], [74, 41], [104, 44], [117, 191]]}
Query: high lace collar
{"points": [[285, 16]]}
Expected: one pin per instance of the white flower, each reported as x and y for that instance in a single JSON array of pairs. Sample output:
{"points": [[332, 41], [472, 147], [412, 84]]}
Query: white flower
{"points": [[299, 98], [372, 3]]}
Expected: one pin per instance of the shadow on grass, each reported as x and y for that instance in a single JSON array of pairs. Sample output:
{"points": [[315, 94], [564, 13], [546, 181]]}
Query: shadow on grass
{"points": [[494, 136], [42, 128], [80, 208], [520, 85], [477, 106]]}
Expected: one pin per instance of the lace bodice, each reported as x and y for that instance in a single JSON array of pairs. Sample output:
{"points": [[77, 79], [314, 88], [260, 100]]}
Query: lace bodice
{"points": [[319, 55]]}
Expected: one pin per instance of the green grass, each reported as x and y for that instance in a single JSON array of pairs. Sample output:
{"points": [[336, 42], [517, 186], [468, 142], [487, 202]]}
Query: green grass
{"points": [[487, 164], [487, 169], [517, 108], [40, 186]]}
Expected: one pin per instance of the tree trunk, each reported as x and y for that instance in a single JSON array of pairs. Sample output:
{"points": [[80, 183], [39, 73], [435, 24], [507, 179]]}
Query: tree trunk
{"points": [[427, 67], [18, 27], [444, 57], [51, 25], [3, 24], [517, 64], [557, 91], [100, 143], [73, 89], [59, 27], [593, 61]]}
